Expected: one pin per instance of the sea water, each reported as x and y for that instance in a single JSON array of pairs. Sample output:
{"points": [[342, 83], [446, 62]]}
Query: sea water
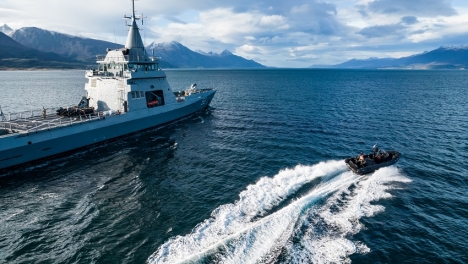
{"points": [[257, 178]]}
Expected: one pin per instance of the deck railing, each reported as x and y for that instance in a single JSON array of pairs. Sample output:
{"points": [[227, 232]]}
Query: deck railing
{"points": [[28, 114], [33, 121]]}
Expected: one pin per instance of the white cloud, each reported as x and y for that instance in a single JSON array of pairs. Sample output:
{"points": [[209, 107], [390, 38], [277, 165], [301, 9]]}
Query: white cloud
{"points": [[273, 22], [248, 49], [300, 9], [413, 7]]}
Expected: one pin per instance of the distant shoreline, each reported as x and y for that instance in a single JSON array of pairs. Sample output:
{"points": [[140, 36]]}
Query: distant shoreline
{"points": [[39, 69], [6, 69]]}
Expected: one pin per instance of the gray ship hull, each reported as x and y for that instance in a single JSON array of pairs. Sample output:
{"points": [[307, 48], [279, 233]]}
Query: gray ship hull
{"points": [[19, 148]]}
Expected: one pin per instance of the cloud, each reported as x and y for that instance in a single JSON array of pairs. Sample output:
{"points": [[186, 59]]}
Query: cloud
{"points": [[273, 22], [228, 25], [362, 9], [300, 9], [382, 31], [409, 20], [427, 8], [248, 49], [175, 20]]}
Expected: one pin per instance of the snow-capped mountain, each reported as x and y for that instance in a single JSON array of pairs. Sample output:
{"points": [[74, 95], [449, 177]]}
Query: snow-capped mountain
{"points": [[6, 29], [450, 57], [173, 53], [79, 48], [180, 56], [16, 56]]}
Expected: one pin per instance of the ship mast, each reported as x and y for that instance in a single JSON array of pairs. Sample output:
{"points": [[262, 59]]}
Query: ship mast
{"points": [[134, 40]]}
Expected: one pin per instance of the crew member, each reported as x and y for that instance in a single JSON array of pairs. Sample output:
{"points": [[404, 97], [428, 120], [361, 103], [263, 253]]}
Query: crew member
{"points": [[375, 149], [361, 158]]}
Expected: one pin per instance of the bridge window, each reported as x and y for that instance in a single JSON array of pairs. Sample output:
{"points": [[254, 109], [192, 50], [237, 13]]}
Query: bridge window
{"points": [[140, 67]]}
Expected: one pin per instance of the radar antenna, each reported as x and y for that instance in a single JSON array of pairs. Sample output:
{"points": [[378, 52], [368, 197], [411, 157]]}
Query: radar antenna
{"points": [[134, 40], [133, 16]]}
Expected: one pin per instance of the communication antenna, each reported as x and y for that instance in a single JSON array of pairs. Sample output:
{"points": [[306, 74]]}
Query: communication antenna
{"points": [[134, 39], [133, 16]]}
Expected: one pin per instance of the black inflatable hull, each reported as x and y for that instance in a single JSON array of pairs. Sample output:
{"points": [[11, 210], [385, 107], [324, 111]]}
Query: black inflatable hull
{"points": [[372, 164]]}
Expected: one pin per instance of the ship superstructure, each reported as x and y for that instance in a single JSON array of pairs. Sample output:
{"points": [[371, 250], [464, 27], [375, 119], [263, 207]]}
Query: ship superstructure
{"points": [[126, 92], [127, 78]]}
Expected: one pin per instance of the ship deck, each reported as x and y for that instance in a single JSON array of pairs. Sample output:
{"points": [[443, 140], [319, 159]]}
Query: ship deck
{"points": [[34, 121]]}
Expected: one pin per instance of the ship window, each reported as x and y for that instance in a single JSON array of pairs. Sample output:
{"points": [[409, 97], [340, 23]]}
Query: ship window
{"points": [[154, 98], [138, 94]]}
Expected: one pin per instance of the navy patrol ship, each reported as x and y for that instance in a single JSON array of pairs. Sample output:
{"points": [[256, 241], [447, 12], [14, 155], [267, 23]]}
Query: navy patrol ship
{"points": [[127, 92]]}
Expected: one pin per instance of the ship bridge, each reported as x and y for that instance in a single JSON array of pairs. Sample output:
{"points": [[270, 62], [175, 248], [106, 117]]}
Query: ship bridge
{"points": [[128, 61]]}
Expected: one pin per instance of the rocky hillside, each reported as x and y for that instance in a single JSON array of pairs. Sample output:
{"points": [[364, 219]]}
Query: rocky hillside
{"points": [[16, 56], [182, 57]]}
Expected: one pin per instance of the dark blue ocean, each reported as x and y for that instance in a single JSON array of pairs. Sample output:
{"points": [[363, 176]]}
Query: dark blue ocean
{"points": [[258, 178]]}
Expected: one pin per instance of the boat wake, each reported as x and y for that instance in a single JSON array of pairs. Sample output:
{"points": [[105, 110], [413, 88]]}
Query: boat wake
{"points": [[301, 215]]}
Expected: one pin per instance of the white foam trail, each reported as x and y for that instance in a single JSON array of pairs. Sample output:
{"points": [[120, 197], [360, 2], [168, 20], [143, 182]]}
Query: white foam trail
{"points": [[240, 233], [227, 220], [339, 218], [264, 239]]}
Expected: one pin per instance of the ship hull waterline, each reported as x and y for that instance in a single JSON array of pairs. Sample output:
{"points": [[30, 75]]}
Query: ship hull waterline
{"points": [[48, 143]]}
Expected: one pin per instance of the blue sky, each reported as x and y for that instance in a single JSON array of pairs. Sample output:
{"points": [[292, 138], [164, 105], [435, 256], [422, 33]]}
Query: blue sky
{"points": [[275, 33]]}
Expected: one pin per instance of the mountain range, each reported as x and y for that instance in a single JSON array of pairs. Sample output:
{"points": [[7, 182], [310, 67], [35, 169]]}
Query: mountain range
{"points": [[16, 56], [74, 49], [6, 29], [78, 48], [177, 54], [453, 57], [32, 47]]}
